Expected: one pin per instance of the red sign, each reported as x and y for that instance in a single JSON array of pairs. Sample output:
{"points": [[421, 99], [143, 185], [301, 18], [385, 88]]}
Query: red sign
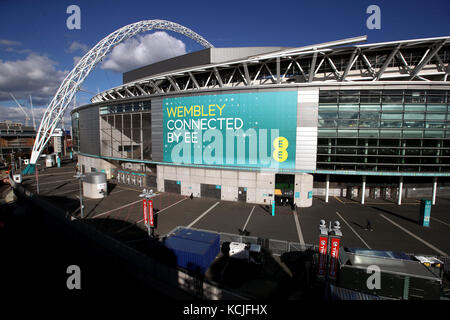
{"points": [[144, 205], [323, 247], [334, 252], [150, 210]]}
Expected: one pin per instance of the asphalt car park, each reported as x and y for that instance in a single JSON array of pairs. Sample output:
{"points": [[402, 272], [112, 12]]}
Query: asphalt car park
{"points": [[395, 227]]}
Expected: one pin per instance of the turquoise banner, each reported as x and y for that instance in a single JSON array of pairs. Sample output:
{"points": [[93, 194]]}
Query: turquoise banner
{"points": [[241, 129]]}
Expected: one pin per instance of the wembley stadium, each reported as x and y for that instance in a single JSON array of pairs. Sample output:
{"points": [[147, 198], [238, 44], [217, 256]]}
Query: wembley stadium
{"points": [[264, 124]]}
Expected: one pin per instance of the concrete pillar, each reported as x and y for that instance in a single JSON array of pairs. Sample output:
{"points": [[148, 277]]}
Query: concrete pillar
{"points": [[327, 188], [433, 200], [400, 191], [363, 191]]}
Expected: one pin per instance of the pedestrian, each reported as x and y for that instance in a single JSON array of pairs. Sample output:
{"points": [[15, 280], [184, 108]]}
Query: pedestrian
{"points": [[191, 196], [369, 226]]}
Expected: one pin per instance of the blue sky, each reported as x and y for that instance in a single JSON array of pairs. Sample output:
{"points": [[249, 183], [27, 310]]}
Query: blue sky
{"points": [[34, 36]]}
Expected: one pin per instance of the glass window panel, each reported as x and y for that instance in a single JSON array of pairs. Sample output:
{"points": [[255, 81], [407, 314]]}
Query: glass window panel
{"points": [[436, 116], [414, 107], [392, 99], [327, 123], [391, 124], [327, 133], [348, 123], [369, 115], [348, 99], [370, 107], [390, 133], [347, 132], [348, 115], [433, 134], [412, 133], [437, 107], [370, 99], [348, 107], [368, 123], [328, 115], [415, 98], [435, 124], [368, 133], [412, 115], [436, 99], [328, 108], [413, 124], [392, 107], [136, 120], [388, 116]]}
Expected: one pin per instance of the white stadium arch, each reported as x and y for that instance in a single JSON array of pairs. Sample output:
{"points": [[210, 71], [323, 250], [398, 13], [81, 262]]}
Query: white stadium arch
{"points": [[72, 82]]}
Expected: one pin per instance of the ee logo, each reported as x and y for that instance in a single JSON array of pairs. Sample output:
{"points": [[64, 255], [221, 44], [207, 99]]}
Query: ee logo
{"points": [[280, 145]]}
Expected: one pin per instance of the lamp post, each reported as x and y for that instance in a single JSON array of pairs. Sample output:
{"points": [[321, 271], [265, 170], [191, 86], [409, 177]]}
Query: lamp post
{"points": [[80, 178], [148, 208]]}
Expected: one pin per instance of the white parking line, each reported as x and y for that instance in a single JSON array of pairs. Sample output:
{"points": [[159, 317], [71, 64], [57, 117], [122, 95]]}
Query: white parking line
{"points": [[203, 214], [414, 236], [448, 225], [299, 230], [124, 206], [353, 230], [248, 219], [165, 208]]}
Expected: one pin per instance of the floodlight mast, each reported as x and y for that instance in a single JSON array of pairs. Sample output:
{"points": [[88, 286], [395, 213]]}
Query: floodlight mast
{"points": [[73, 81]]}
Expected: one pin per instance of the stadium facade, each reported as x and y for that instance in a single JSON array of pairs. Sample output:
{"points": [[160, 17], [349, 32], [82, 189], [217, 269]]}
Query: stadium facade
{"points": [[262, 124]]}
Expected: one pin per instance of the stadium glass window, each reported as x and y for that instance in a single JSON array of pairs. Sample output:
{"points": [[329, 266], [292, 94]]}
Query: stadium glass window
{"points": [[347, 123], [391, 116], [412, 115], [436, 116], [328, 108], [348, 115], [391, 124], [375, 116], [328, 96], [414, 107], [348, 107], [328, 115], [435, 124], [415, 97], [370, 107], [412, 133], [369, 123], [413, 124], [390, 133], [392, 107], [368, 133], [327, 123], [327, 133], [433, 134], [437, 108], [392, 99]]}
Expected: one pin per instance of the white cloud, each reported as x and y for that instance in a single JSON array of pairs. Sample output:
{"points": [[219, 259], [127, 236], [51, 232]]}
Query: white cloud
{"points": [[78, 46], [5, 42], [143, 50], [35, 75]]}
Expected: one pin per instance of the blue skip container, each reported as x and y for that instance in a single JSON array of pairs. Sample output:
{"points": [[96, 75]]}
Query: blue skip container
{"points": [[195, 250]]}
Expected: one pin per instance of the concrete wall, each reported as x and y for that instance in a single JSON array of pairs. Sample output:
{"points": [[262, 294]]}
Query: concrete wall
{"points": [[303, 190], [260, 186]]}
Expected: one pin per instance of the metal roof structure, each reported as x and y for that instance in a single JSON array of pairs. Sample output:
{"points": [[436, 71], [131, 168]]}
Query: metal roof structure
{"points": [[341, 61]]}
